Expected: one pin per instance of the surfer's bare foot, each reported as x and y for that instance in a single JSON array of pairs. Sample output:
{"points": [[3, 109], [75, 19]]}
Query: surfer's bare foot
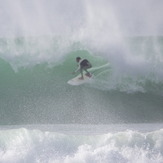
{"points": [[88, 74], [81, 78]]}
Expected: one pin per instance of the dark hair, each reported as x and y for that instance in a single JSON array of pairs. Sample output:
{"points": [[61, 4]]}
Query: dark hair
{"points": [[78, 58]]}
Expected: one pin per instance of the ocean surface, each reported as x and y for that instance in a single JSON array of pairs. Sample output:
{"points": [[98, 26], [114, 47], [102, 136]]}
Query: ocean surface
{"points": [[34, 85], [116, 117]]}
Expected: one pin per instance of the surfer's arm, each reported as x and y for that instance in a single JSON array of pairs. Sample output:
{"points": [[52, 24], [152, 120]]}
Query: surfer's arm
{"points": [[77, 69]]}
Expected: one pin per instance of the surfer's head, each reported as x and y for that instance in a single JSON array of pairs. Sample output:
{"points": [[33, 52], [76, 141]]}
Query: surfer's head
{"points": [[78, 59]]}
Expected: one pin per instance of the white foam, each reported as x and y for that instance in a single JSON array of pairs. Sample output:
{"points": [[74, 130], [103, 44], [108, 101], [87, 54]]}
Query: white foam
{"points": [[24, 145]]}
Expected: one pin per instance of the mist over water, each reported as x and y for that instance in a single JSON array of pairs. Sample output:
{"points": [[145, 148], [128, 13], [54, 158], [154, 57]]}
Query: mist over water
{"points": [[62, 17], [98, 26]]}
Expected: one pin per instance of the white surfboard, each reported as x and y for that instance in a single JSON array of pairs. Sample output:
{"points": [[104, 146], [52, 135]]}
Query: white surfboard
{"points": [[77, 81]]}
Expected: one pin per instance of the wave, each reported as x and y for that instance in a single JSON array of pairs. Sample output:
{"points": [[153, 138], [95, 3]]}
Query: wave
{"points": [[136, 69], [34, 79], [30, 145]]}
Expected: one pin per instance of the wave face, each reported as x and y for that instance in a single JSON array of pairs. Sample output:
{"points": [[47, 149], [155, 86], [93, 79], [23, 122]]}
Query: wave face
{"points": [[39, 42], [29, 145], [35, 70]]}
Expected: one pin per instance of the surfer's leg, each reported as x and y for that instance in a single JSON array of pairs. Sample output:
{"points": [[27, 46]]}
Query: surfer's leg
{"points": [[87, 73], [81, 72]]}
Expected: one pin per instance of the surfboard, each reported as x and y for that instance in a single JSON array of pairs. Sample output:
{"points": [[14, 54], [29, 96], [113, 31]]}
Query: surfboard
{"points": [[76, 81], [94, 71]]}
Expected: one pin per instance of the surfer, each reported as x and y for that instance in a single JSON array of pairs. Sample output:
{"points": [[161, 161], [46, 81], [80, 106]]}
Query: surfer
{"points": [[83, 64]]}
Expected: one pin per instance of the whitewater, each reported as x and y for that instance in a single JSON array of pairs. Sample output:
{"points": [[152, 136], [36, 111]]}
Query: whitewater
{"points": [[117, 117]]}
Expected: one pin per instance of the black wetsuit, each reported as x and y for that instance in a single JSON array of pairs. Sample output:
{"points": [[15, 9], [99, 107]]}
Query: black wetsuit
{"points": [[84, 64]]}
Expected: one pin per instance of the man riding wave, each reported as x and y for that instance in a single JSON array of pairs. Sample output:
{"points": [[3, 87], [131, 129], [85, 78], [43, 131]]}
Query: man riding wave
{"points": [[83, 64]]}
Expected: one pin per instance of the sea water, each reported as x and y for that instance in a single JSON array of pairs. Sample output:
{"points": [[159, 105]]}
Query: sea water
{"points": [[115, 118], [82, 143]]}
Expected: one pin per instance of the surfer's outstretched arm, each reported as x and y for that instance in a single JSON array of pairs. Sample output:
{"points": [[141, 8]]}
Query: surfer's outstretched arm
{"points": [[79, 67]]}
